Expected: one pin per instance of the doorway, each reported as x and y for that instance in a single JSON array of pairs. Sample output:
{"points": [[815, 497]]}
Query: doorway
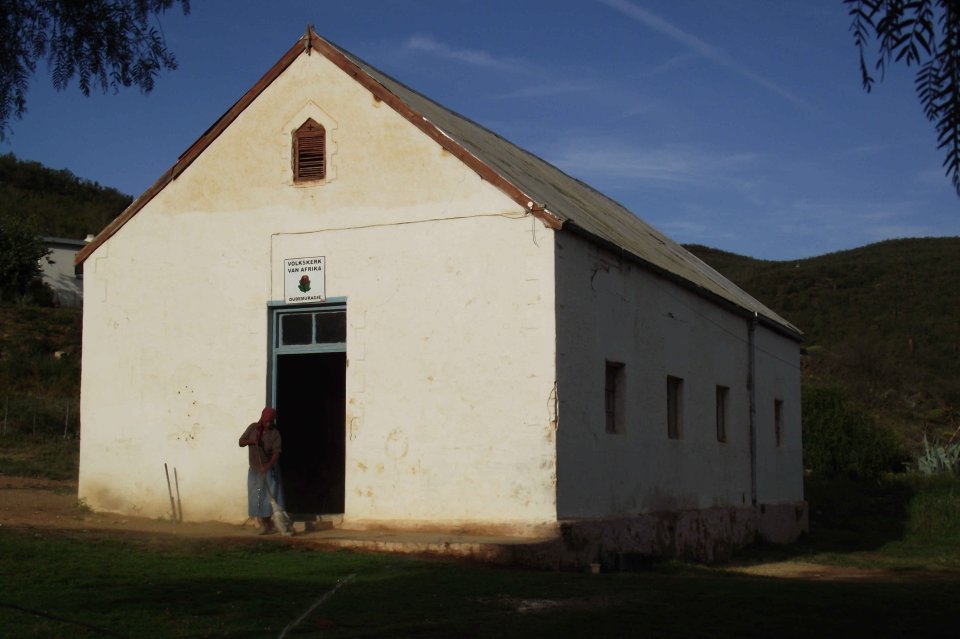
{"points": [[310, 409], [309, 392]]}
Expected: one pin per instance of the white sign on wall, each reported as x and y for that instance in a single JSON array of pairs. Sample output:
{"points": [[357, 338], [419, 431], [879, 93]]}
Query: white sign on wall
{"points": [[304, 280]]}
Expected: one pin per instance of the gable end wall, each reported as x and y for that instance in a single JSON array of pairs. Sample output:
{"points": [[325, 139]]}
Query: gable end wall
{"points": [[450, 310]]}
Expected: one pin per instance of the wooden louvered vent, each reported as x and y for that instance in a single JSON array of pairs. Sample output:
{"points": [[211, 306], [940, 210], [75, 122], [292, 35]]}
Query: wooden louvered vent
{"points": [[309, 152]]}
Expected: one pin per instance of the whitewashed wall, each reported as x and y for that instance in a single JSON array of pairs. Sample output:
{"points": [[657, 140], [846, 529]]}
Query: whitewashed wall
{"points": [[612, 310], [779, 467], [450, 321]]}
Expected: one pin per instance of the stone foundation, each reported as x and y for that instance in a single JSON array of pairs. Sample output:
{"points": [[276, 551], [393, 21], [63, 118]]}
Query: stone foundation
{"points": [[612, 544], [708, 535]]}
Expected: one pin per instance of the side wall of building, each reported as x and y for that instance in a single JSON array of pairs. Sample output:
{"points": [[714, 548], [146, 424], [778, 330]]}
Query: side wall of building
{"points": [[782, 511], [614, 313], [450, 341]]}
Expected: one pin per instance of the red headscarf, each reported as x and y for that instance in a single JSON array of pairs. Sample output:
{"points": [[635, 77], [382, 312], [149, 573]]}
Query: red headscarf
{"points": [[268, 415]]}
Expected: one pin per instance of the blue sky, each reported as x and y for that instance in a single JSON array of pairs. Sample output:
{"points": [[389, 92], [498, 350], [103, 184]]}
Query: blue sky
{"points": [[739, 124]]}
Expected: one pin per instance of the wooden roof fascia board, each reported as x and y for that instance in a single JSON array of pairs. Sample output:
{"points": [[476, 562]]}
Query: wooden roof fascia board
{"points": [[484, 170], [118, 222], [193, 152], [792, 332], [227, 118]]}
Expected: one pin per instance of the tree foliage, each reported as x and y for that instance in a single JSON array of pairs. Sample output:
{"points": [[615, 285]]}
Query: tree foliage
{"points": [[925, 33], [21, 249], [104, 43]]}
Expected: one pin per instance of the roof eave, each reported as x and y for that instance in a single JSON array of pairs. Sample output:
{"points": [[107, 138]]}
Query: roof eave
{"points": [[194, 151]]}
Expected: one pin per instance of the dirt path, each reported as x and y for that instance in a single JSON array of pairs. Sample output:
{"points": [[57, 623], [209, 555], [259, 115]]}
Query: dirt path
{"points": [[50, 504]]}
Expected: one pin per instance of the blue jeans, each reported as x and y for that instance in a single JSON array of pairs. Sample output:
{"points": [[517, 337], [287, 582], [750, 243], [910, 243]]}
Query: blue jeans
{"points": [[258, 499]]}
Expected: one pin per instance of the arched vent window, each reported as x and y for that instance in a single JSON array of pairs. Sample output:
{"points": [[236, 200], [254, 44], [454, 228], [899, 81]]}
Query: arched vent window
{"points": [[309, 152]]}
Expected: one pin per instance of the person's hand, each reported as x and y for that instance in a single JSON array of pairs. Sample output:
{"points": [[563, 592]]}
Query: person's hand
{"points": [[264, 470]]}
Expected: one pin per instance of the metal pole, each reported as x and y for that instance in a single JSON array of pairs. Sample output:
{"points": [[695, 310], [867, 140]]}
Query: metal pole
{"points": [[173, 507], [66, 419], [176, 483], [752, 384]]}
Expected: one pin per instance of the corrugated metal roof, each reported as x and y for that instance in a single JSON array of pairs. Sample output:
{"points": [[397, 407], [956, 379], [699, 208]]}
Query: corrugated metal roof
{"points": [[574, 202], [560, 200]]}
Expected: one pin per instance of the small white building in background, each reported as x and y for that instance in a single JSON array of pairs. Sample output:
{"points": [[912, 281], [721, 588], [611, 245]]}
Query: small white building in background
{"points": [[61, 272], [456, 335]]}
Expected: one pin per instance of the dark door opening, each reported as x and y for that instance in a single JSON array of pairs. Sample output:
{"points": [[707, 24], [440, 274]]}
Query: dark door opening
{"points": [[310, 402]]}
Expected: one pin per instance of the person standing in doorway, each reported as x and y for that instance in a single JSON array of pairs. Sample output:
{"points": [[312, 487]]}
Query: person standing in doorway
{"points": [[264, 446]]}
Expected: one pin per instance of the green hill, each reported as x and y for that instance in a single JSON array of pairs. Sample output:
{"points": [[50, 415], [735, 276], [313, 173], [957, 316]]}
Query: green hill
{"points": [[883, 321], [57, 202]]}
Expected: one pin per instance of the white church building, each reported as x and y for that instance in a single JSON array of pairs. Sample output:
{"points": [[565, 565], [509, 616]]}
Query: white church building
{"points": [[457, 336]]}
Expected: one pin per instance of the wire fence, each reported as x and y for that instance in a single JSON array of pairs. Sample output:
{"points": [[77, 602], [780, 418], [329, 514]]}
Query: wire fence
{"points": [[39, 415]]}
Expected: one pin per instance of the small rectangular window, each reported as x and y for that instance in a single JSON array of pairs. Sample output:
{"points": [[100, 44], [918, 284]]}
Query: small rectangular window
{"points": [[778, 420], [331, 328], [613, 397], [674, 407], [296, 328], [722, 392]]}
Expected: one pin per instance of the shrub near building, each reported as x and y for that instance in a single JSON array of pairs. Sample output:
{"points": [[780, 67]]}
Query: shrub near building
{"points": [[841, 439]]}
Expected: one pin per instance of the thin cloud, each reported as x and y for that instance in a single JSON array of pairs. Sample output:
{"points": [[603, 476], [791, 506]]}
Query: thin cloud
{"points": [[710, 52], [902, 230], [670, 65], [933, 177], [827, 224], [666, 166], [549, 89], [866, 149], [641, 108], [474, 57]]}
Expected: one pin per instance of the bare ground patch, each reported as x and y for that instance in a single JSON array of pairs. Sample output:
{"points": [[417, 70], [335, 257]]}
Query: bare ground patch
{"points": [[27, 502], [46, 504]]}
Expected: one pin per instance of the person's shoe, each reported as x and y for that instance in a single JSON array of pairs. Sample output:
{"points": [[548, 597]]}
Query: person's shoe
{"points": [[267, 531]]}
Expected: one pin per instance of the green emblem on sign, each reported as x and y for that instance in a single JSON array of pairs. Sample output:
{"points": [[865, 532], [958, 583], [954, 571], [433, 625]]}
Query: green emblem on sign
{"points": [[304, 285]]}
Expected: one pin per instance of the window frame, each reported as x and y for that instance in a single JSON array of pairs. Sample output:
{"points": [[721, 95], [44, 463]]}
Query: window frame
{"points": [[778, 422], [722, 412], [674, 407], [276, 329], [613, 397]]}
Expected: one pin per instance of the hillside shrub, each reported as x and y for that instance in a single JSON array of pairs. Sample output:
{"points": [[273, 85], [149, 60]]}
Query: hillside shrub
{"points": [[938, 457], [871, 510], [934, 510], [890, 507], [841, 439]]}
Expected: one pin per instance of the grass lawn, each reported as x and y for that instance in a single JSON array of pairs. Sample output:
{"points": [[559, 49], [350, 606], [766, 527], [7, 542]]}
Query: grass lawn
{"points": [[107, 586], [904, 530]]}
